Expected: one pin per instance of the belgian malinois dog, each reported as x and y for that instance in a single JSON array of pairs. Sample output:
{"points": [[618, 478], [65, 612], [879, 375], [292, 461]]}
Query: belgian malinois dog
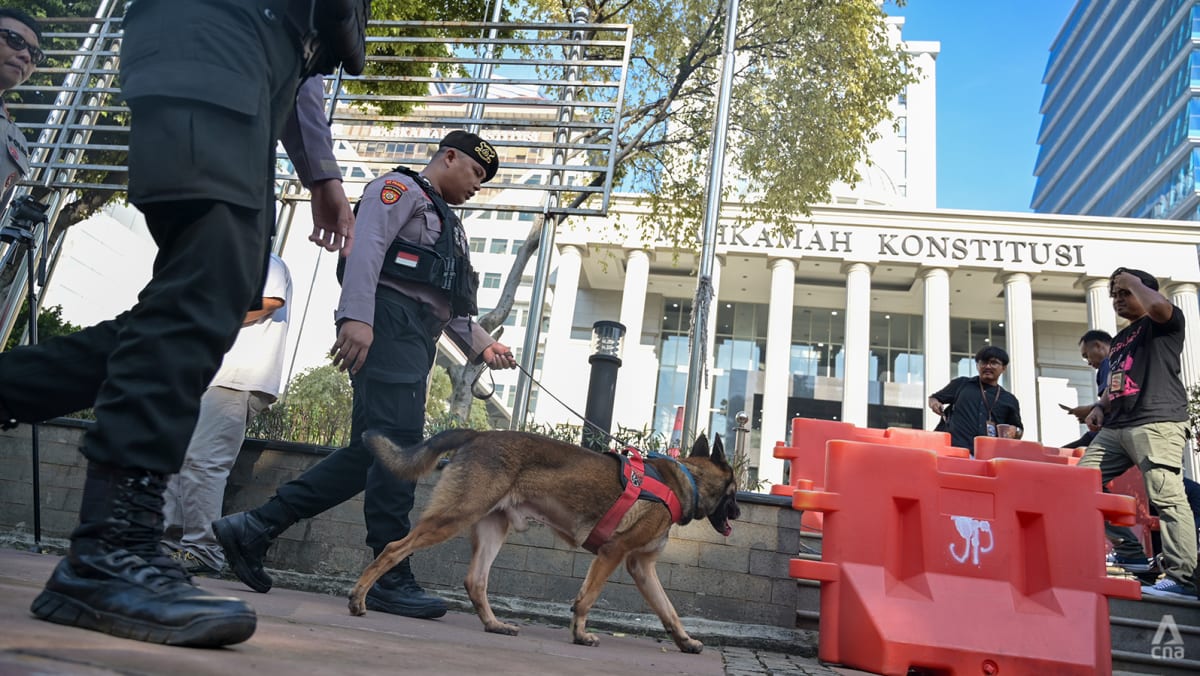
{"points": [[497, 480]]}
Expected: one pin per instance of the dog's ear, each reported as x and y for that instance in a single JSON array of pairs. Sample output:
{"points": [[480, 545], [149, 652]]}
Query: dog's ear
{"points": [[718, 451], [700, 448]]}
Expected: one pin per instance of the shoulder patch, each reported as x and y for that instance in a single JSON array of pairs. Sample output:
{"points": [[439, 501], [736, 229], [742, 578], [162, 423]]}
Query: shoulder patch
{"points": [[395, 184], [390, 194]]}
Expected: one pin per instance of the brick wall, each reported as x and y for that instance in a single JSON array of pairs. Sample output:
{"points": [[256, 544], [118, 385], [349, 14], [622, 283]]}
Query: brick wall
{"points": [[742, 578]]}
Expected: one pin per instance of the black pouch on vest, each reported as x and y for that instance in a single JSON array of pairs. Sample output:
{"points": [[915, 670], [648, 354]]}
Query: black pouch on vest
{"points": [[341, 26], [466, 285]]}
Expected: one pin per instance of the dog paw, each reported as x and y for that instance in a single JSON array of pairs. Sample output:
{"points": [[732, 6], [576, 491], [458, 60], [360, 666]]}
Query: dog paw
{"points": [[502, 628], [357, 606], [587, 639], [691, 646]]}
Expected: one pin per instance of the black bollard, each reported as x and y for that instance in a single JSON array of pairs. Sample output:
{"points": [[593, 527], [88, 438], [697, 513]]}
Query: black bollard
{"points": [[607, 342]]}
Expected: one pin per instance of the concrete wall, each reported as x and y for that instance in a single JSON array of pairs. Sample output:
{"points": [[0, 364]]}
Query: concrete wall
{"points": [[741, 579]]}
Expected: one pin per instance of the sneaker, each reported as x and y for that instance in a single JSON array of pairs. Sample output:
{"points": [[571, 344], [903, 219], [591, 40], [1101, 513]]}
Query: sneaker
{"points": [[1171, 589], [194, 566], [1134, 564]]}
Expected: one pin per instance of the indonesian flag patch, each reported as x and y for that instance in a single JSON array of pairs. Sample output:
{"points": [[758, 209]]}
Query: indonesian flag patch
{"points": [[408, 260], [391, 191]]}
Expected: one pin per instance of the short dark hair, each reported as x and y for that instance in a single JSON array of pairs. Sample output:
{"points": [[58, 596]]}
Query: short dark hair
{"points": [[991, 352], [24, 18], [1147, 278], [1095, 335]]}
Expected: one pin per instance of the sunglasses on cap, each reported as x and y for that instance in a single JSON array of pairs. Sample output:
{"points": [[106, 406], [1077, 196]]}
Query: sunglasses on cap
{"points": [[17, 42]]}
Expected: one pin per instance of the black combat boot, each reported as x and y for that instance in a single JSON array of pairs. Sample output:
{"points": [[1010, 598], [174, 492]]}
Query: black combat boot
{"points": [[116, 580], [398, 593], [246, 536]]}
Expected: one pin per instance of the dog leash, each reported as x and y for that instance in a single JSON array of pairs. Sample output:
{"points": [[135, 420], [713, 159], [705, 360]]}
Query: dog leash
{"points": [[577, 414]]}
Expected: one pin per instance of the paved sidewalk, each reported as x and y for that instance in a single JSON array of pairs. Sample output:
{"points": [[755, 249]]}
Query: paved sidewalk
{"points": [[308, 633]]}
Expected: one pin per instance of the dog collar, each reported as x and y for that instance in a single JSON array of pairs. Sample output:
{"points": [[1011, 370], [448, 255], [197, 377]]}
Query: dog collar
{"points": [[691, 480]]}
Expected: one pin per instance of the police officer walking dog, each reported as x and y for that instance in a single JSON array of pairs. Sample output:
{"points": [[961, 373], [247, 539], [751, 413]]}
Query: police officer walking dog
{"points": [[210, 84], [408, 278]]}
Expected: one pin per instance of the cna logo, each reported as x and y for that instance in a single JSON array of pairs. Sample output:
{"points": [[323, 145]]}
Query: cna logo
{"points": [[1167, 644]]}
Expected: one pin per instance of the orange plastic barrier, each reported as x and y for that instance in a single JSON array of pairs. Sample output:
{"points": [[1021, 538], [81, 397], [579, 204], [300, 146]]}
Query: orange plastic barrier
{"points": [[962, 566], [1130, 483], [807, 455]]}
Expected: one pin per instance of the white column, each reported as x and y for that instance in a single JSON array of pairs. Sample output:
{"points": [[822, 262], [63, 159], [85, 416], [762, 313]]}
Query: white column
{"points": [[566, 290], [704, 413], [1022, 365], [1184, 297], [777, 379], [633, 300], [1100, 313], [937, 335], [631, 378], [557, 356], [858, 344]]}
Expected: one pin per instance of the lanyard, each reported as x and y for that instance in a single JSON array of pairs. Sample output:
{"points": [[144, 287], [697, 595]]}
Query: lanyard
{"points": [[995, 400]]}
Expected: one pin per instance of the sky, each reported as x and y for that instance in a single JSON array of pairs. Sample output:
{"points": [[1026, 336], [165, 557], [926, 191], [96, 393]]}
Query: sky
{"points": [[989, 91]]}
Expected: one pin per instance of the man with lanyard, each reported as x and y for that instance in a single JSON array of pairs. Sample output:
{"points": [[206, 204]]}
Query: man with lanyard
{"points": [[979, 406], [211, 85], [391, 312], [1143, 422]]}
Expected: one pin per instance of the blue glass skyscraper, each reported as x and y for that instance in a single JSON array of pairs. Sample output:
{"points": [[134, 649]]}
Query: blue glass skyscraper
{"points": [[1120, 132]]}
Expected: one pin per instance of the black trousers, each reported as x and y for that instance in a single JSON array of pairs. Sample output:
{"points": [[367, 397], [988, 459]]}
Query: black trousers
{"points": [[389, 396], [201, 164]]}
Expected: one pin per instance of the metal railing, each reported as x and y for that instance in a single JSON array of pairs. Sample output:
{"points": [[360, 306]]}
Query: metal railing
{"points": [[513, 88], [511, 81]]}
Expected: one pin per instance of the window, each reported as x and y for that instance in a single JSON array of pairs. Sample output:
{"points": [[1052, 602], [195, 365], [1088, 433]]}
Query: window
{"points": [[477, 244], [902, 127], [499, 246], [491, 280], [526, 216], [516, 244], [504, 215]]}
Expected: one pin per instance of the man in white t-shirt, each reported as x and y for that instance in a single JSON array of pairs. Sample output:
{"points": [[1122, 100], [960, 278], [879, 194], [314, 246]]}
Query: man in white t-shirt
{"points": [[247, 383]]}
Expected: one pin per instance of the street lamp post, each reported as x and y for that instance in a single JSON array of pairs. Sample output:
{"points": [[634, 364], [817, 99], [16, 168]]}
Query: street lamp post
{"points": [[608, 340]]}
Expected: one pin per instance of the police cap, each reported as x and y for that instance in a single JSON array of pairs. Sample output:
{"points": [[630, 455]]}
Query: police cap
{"points": [[476, 148]]}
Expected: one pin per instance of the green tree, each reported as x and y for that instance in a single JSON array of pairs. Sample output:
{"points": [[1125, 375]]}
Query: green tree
{"points": [[814, 80], [50, 323], [314, 410], [437, 406]]}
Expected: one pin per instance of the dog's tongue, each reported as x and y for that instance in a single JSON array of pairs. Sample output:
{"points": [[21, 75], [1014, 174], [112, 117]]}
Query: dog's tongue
{"points": [[727, 529]]}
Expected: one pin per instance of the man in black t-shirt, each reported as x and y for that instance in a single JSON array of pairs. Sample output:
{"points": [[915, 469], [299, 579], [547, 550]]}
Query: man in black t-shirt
{"points": [[978, 406], [1143, 419]]}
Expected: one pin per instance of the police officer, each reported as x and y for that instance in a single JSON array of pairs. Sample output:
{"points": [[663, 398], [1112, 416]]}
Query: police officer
{"points": [[19, 57], [210, 84], [395, 302]]}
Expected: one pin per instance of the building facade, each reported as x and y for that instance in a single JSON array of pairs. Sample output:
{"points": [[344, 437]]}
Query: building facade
{"points": [[1120, 132]]}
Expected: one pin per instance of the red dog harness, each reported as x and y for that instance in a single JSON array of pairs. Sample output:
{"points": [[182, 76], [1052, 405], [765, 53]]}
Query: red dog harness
{"points": [[637, 484]]}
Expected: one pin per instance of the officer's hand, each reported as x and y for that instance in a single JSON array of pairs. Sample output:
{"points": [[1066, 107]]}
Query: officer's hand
{"points": [[498, 356], [333, 219], [353, 340], [1080, 412], [1094, 419]]}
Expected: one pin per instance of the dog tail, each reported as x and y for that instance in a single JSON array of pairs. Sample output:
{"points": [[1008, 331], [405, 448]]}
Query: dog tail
{"points": [[415, 461]]}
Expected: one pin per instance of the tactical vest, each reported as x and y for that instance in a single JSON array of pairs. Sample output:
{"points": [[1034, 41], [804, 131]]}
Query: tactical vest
{"points": [[445, 266]]}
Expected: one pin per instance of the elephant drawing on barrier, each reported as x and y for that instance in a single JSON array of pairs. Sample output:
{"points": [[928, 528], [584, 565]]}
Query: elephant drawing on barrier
{"points": [[972, 532]]}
